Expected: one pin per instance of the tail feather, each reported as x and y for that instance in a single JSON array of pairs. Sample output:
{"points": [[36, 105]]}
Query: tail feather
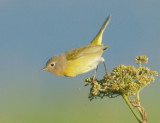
{"points": [[98, 39]]}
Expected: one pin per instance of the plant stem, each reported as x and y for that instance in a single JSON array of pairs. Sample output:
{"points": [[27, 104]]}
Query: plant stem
{"points": [[137, 98], [132, 108], [138, 102]]}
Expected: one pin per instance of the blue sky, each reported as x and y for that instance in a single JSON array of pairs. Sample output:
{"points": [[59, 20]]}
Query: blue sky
{"points": [[33, 31]]}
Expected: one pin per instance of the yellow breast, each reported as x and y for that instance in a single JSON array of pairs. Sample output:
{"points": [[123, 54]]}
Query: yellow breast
{"points": [[82, 64]]}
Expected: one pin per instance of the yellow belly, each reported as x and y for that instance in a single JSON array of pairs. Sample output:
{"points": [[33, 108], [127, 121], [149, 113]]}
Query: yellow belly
{"points": [[82, 64]]}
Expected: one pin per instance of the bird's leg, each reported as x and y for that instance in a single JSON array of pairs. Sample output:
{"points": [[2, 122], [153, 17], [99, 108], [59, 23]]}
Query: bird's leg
{"points": [[105, 66], [94, 77]]}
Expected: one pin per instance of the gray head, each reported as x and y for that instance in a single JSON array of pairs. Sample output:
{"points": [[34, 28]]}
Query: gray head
{"points": [[56, 64]]}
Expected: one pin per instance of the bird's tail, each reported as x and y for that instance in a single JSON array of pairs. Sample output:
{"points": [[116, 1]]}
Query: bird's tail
{"points": [[98, 39]]}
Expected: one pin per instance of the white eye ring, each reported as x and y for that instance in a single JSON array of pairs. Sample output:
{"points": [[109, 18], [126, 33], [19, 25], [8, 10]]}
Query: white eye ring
{"points": [[52, 65]]}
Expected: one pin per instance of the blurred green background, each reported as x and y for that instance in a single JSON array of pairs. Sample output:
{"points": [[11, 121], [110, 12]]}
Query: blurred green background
{"points": [[32, 31]]}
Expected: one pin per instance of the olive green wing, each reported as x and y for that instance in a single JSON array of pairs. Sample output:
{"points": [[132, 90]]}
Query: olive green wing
{"points": [[83, 51]]}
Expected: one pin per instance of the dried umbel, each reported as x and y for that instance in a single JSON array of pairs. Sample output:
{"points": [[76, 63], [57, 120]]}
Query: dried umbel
{"points": [[141, 59], [124, 80]]}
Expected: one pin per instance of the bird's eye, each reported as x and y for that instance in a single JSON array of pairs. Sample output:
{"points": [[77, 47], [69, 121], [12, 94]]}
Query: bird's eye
{"points": [[52, 65]]}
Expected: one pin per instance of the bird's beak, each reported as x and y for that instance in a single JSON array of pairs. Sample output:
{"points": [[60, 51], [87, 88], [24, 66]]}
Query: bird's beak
{"points": [[43, 69]]}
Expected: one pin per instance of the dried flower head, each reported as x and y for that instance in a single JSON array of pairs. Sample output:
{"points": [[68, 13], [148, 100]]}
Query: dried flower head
{"points": [[141, 59], [124, 79]]}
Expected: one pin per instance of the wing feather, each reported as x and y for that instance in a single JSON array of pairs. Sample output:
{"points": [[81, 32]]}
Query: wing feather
{"points": [[83, 51]]}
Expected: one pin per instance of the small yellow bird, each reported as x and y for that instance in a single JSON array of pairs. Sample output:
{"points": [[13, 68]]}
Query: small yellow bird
{"points": [[79, 60]]}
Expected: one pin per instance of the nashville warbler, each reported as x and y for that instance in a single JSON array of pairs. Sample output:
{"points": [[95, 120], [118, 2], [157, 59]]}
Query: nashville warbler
{"points": [[79, 60]]}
